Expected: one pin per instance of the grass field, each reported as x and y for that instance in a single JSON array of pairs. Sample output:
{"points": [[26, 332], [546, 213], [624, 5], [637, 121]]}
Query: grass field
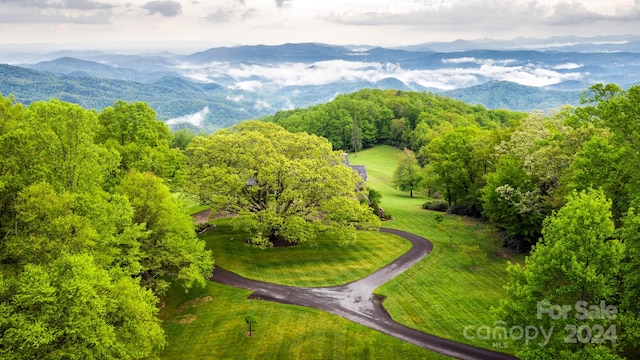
{"points": [[209, 324], [190, 204], [440, 295], [324, 263]]}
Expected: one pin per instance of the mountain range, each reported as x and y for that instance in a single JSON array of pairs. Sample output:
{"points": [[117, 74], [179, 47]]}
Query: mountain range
{"points": [[217, 87]]}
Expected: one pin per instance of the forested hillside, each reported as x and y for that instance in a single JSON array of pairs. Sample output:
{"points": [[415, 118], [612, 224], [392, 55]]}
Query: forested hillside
{"points": [[91, 234], [400, 118], [170, 96]]}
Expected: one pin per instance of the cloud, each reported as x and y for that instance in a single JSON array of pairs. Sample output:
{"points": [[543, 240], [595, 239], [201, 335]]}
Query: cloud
{"points": [[466, 72], [262, 105], [568, 66], [573, 13], [494, 13], [472, 60], [249, 13], [251, 85], [35, 17], [283, 3], [195, 119], [167, 8], [483, 15], [66, 4], [219, 16], [86, 5], [234, 11], [235, 98]]}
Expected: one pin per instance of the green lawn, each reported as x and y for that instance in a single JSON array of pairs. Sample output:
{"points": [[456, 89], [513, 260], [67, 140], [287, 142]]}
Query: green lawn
{"points": [[440, 295], [323, 263], [190, 203], [209, 324]]}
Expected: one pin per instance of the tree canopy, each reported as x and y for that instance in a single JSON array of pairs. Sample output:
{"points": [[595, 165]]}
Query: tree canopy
{"points": [[88, 243], [408, 174], [576, 264], [284, 187]]}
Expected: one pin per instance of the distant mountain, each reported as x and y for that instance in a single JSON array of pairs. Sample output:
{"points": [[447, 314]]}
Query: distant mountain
{"points": [[171, 97], [72, 66], [614, 43], [264, 54], [237, 83], [507, 95]]}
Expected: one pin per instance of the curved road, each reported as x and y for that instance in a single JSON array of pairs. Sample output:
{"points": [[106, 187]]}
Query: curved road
{"points": [[355, 301]]}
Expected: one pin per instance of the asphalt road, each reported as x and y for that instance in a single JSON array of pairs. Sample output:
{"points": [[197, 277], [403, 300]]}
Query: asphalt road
{"points": [[355, 301]]}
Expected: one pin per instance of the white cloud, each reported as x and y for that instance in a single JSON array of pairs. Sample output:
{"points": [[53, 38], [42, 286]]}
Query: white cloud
{"points": [[168, 8], [473, 60], [124, 24], [262, 105], [568, 66], [195, 119], [252, 85], [257, 77], [236, 98]]}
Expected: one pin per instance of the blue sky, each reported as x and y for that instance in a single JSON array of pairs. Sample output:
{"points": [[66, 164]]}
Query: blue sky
{"points": [[199, 24]]}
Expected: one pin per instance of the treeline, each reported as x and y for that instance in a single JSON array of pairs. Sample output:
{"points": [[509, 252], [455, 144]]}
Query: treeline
{"points": [[90, 234], [370, 117], [579, 168]]}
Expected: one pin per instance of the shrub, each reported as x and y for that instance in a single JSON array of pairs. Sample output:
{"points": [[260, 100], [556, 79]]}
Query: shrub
{"points": [[464, 210], [435, 205]]}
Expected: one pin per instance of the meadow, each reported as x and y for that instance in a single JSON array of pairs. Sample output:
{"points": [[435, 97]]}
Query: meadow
{"points": [[440, 295]]}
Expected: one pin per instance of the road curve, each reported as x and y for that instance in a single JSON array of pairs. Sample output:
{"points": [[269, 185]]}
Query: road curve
{"points": [[355, 301]]}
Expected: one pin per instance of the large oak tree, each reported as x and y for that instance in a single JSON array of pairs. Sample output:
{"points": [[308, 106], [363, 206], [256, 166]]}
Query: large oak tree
{"points": [[284, 187]]}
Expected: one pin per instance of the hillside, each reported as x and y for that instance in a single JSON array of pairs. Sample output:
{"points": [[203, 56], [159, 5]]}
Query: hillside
{"points": [[507, 95], [170, 97]]}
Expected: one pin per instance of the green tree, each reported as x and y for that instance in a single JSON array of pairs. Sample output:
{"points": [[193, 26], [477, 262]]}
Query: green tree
{"points": [[251, 322], [609, 159], [453, 160], [374, 198], [285, 188], [512, 201], [71, 308], [408, 174], [169, 250], [181, 138], [72, 254], [576, 261], [629, 344], [451, 228], [142, 141], [473, 253]]}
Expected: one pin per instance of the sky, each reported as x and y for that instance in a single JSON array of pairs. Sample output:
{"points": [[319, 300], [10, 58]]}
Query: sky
{"points": [[190, 24]]}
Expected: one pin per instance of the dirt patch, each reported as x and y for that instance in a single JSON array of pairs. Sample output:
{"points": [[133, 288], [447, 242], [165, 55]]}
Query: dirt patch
{"points": [[202, 216], [184, 319], [205, 215], [193, 303]]}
